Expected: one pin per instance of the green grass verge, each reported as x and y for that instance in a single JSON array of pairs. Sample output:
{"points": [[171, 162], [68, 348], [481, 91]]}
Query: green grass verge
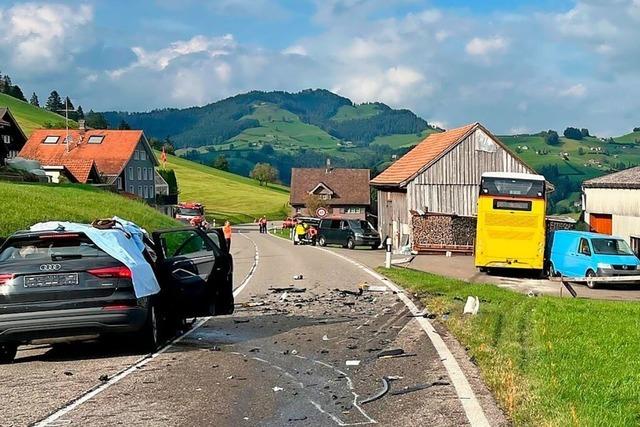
{"points": [[30, 117], [23, 205], [549, 361], [226, 195]]}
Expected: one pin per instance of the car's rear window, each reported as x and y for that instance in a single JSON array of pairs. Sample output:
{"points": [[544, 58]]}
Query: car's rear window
{"points": [[55, 247]]}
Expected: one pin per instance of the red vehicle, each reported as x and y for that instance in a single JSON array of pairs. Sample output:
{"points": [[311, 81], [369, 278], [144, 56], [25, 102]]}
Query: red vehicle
{"points": [[289, 223], [190, 213]]}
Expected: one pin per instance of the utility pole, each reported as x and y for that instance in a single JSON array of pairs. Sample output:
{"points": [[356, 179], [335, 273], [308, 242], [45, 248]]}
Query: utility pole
{"points": [[66, 122]]}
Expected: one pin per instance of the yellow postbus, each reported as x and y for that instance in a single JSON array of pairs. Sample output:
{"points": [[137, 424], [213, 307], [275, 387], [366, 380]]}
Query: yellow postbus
{"points": [[511, 221]]}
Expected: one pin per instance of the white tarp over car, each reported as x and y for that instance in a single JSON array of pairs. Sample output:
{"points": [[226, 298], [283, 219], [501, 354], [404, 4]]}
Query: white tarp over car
{"points": [[124, 244]]}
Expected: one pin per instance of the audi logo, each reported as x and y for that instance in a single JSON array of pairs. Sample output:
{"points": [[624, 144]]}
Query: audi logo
{"points": [[50, 267]]}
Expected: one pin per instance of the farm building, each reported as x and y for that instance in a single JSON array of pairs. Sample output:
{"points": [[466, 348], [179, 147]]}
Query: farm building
{"points": [[439, 175], [611, 204], [342, 192], [12, 139]]}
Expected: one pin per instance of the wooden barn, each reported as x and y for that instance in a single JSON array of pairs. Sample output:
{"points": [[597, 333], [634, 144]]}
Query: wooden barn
{"points": [[440, 175]]}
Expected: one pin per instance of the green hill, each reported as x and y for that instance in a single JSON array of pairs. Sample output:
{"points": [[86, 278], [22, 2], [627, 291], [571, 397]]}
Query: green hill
{"points": [[225, 195], [288, 130], [30, 117], [25, 204]]}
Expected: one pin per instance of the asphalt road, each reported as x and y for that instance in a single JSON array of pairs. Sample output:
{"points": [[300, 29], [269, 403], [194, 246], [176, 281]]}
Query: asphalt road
{"points": [[284, 358]]}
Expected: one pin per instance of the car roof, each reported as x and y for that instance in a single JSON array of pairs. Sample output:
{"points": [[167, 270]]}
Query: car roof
{"points": [[586, 234]]}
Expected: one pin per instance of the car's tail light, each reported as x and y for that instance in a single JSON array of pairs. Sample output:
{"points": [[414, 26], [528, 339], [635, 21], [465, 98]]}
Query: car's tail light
{"points": [[117, 307], [121, 272], [5, 279], [59, 236]]}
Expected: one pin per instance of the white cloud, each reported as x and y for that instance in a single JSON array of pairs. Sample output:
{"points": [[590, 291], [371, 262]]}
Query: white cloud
{"points": [[44, 36], [576, 91], [486, 46], [295, 49]]}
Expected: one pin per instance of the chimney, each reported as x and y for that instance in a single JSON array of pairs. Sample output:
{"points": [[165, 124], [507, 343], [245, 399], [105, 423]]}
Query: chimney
{"points": [[81, 126]]}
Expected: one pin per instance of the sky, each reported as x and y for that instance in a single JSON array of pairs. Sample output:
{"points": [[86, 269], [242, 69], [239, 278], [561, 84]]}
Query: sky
{"points": [[517, 66]]}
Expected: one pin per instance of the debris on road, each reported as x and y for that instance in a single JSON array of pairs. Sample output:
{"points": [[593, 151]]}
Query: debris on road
{"points": [[472, 305], [252, 304], [349, 292], [381, 393], [418, 387], [240, 320], [325, 338], [68, 373], [284, 296], [276, 389], [104, 378], [391, 352], [298, 277], [353, 362], [373, 288], [291, 289]]}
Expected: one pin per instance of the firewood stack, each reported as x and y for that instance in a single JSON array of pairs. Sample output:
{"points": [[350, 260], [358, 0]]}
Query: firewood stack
{"points": [[434, 233]]}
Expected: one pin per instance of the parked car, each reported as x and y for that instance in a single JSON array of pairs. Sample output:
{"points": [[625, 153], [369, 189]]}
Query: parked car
{"points": [[60, 284], [583, 254], [348, 233]]}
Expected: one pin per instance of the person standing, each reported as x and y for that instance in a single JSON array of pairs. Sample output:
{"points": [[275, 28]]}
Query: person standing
{"points": [[300, 233], [313, 234], [263, 224], [227, 234]]}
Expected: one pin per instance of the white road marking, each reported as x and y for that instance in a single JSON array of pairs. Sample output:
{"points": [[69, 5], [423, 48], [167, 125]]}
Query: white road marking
{"points": [[472, 408], [55, 417]]}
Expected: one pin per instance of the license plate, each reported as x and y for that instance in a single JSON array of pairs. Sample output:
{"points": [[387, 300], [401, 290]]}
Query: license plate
{"points": [[51, 280]]}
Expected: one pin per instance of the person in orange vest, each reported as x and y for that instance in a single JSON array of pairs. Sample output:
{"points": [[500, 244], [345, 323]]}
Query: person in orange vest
{"points": [[227, 234], [313, 234]]}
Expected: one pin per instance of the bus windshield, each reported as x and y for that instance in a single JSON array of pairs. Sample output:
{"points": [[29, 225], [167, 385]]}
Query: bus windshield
{"points": [[512, 187]]}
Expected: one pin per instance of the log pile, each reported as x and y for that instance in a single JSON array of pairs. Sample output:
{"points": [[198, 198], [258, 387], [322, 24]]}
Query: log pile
{"points": [[437, 233], [558, 223]]}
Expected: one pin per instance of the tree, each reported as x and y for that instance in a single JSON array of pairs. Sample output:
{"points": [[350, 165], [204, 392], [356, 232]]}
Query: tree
{"points": [[54, 102], [168, 146], [573, 133], [581, 151], [267, 149], [124, 125], [79, 112], [34, 100], [16, 92], [264, 173], [636, 129], [221, 163], [170, 176], [67, 104], [5, 84], [584, 132], [552, 138], [96, 120], [311, 203]]}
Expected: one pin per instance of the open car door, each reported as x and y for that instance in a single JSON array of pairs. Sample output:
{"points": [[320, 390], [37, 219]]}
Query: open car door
{"points": [[187, 268]]}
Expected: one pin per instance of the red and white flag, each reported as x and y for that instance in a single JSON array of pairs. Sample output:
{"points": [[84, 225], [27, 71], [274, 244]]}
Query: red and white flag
{"points": [[163, 158]]}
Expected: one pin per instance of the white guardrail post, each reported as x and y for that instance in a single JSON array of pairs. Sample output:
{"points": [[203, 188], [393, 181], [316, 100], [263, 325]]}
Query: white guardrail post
{"points": [[387, 260]]}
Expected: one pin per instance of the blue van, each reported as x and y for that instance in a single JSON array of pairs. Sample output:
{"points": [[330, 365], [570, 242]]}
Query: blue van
{"points": [[582, 254]]}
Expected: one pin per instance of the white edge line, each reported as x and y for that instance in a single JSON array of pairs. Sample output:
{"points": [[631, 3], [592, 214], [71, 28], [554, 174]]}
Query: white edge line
{"points": [[145, 359], [472, 408]]}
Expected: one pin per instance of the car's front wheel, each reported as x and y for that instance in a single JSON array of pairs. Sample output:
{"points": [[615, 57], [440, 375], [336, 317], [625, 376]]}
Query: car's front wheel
{"points": [[8, 352], [322, 241], [351, 244], [590, 283]]}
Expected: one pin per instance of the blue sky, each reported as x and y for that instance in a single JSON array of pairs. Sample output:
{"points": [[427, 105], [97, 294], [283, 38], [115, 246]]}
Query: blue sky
{"points": [[515, 65]]}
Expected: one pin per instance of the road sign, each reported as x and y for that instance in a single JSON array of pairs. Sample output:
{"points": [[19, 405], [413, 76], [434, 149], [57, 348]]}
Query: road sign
{"points": [[321, 212]]}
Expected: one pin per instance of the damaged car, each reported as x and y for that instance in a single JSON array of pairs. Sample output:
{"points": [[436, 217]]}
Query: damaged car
{"points": [[72, 281]]}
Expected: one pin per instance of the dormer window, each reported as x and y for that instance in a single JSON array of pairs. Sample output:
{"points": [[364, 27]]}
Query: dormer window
{"points": [[95, 139], [51, 140]]}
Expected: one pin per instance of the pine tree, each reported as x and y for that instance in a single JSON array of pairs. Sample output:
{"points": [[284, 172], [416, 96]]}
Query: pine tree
{"points": [[124, 125], [80, 112], [34, 100], [6, 84], [54, 103], [16, 92], [68, 104]]}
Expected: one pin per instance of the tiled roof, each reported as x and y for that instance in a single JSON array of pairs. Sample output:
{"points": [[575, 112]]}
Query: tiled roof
{"points": [[80, 169], [628, 178], [350, 186], [430, 149], [110, 156]]}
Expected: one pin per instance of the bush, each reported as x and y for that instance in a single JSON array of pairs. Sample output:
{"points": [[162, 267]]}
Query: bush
{"points": [[573, 133], [169, 175], [552, 138]]}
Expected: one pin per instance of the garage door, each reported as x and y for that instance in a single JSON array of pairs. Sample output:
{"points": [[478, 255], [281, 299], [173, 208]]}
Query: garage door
{"points": [[601, 223]]}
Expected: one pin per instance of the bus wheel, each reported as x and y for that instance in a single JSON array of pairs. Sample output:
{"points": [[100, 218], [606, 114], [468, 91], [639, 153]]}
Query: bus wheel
{"points": [[591, 284], [482, 269]]}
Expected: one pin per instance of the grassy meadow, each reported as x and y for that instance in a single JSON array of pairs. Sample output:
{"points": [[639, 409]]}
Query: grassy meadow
{"points": [[549, 361], [23, 205], [228, 196], [30, 117]]}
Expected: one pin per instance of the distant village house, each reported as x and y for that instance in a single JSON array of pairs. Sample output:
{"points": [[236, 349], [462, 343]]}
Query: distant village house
{"points": [[12, 138], [342, 193]]}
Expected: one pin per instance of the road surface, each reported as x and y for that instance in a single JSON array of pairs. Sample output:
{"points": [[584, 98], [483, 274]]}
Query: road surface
{"points": [[284, 358]]}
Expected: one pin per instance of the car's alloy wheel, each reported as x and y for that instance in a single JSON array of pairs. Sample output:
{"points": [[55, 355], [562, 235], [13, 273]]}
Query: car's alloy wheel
{"points": [[591, 284], [8, 352], [322, 241], [350, 244]]}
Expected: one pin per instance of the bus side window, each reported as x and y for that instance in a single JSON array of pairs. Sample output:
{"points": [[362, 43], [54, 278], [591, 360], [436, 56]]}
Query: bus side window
{"points": [[584, 247]]}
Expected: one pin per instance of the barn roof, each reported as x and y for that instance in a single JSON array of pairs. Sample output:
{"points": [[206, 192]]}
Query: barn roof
{"points": [[110, 155], [628, 178], [423, 155], [349, 186]]}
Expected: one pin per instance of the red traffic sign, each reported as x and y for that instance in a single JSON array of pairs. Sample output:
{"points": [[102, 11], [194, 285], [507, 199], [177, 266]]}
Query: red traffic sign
{"points": [[321, 212]]}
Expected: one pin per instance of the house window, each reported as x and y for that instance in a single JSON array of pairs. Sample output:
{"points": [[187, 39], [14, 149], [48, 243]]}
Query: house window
{"points": [[143, 155], [139, 173], [130, 174], [95, 139], [119, 183], [13, 154], [132, 189], [51, 140], [352, 210], [325, 196], [144, 174], [140, 190], [136, 155], [6, 139], [146, 192]]}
